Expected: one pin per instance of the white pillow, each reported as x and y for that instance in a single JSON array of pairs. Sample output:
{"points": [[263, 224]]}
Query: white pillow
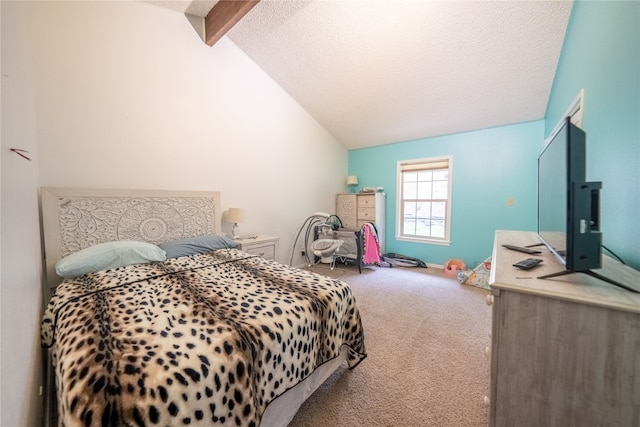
{"points": [[105, 256]]}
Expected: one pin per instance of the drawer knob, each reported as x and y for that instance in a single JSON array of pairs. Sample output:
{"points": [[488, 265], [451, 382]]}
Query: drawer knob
{"points": [[487, 401], [487, 351], [489, 299]]}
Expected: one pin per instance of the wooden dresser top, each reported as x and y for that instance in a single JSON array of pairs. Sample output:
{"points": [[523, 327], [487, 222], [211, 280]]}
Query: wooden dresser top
{"points": [[577, 287]]}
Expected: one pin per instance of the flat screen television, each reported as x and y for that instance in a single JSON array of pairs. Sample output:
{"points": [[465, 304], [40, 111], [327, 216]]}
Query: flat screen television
{"points": [[568, 206]]}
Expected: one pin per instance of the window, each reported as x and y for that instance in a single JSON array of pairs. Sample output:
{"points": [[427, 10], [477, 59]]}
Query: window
{"points": [[575, 111], [424, 200]]}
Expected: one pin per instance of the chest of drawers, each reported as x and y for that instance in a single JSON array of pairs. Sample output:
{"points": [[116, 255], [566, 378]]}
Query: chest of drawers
{"points": [[356, 209]]}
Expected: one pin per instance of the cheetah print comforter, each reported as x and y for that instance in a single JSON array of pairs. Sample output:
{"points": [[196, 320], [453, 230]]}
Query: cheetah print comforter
{"points": [[208, 339]]}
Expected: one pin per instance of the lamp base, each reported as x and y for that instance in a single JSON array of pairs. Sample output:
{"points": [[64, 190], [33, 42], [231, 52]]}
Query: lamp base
{"points": [[234, 232]]}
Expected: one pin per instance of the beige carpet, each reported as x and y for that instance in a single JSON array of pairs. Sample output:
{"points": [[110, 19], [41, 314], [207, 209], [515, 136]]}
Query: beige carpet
{"points": [[425, 336]]}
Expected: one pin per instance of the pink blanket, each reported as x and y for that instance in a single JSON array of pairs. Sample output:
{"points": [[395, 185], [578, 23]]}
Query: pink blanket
{"points": [[371, 245]]}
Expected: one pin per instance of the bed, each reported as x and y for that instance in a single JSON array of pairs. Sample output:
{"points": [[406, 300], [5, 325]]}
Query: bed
{"points": [[211, 335]]}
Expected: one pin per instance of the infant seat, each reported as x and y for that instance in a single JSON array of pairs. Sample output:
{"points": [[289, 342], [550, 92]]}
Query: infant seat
{"points": [[326, 248]]}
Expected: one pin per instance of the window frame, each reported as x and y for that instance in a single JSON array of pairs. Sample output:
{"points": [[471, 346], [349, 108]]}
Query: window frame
{"points": [[428, 163]]}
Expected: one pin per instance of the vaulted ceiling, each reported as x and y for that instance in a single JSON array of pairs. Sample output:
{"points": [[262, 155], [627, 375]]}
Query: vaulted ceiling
{"points": [[375, 72]]}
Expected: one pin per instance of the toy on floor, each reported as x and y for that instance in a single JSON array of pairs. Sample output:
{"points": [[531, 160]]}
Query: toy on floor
{"points": [[478, 277], [452, 267]]}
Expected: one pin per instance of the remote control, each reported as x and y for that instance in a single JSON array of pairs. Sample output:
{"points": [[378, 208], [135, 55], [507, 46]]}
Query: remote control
{"points": [[521, 249], [527, 264]]}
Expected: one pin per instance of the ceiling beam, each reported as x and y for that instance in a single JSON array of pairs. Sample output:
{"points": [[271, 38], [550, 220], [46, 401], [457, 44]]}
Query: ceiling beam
{"points": [[223, 16]]}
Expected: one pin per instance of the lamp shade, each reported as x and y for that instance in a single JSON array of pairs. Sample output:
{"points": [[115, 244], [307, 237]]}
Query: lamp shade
{"points": [[352, 180], [235, 215]]}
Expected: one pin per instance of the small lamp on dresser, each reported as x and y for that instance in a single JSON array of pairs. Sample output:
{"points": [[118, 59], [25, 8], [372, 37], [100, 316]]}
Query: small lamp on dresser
{"points": [[235, 215], [352, 182]]}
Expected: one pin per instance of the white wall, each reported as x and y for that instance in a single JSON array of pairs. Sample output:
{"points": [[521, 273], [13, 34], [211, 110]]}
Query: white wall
{"points": [[126, 95], [20, 289], [129, 96]]}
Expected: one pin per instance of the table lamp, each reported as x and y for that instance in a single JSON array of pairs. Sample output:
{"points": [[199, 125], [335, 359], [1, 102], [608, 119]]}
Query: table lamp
{"points": [[352, 181], [235, 215]]}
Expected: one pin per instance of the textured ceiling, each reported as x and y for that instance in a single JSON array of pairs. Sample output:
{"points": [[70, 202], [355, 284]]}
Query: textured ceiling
{"points": [[374, 72]]}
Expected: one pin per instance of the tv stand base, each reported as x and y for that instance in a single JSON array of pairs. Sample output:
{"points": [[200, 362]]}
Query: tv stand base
{"points": [[590, 273]]}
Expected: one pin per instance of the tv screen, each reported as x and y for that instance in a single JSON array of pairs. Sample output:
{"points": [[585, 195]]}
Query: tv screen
{"points": [[568, 207], [552, 194]]}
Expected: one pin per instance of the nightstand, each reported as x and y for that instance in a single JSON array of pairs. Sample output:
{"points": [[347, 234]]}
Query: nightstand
{"points": [[263, 246]]}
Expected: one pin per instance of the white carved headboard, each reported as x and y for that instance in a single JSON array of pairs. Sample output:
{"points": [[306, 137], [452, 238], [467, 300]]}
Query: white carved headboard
{"points": [[74, 218]]}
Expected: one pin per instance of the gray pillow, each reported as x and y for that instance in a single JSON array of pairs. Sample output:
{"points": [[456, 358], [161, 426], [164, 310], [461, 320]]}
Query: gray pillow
{"points": [[105, 256], [197, 245]]}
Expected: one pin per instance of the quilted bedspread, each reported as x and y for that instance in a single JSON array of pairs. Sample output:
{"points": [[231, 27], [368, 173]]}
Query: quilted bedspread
{"points": [[208, 339]]}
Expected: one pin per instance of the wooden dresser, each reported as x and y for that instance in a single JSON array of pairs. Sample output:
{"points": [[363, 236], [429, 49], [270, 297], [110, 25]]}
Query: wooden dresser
{"points": [[564, 351], [356, 209]]}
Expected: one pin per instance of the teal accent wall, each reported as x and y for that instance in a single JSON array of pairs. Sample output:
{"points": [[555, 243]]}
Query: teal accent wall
{"points": [[601, 54], [489, 167]]}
